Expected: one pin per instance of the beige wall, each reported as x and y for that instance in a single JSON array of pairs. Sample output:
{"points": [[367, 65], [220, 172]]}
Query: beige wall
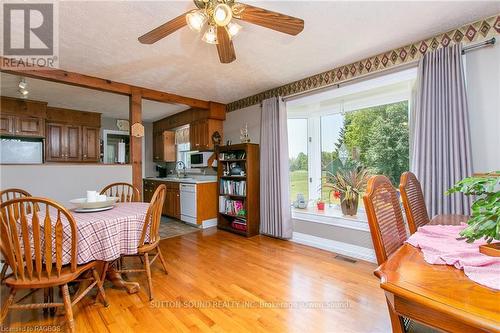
{"points": [[62, 182], [483, 90], [236, 120]]}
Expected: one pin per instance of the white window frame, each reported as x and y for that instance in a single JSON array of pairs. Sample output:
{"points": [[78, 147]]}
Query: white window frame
{"points": [[399, 87]]}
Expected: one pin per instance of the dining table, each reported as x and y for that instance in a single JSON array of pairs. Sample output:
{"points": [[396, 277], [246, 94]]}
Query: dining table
{"points": [[105, 236], [440, 296]]}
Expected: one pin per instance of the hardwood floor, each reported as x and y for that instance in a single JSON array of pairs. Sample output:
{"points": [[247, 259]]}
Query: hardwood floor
{"points": [[222, 282]]}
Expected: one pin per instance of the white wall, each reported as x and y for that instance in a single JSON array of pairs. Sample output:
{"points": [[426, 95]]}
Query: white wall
{"points": [[236, 120], [483, 89], [62, 182]]}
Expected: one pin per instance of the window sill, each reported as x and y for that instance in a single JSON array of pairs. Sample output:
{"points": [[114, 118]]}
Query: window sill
{"points": [[332, 216]]}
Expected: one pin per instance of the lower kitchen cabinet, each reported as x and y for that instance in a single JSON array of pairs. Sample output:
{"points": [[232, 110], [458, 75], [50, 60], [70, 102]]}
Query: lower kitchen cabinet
{"points": [[192, 203], [172, 203]]}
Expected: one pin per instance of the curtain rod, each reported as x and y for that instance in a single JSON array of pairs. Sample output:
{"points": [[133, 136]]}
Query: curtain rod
{"points": [[476, 46], [410, 64]]}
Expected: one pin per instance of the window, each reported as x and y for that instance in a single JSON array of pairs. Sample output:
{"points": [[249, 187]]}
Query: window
{"points": [[183, 150], [367, 121], [298, 160]]}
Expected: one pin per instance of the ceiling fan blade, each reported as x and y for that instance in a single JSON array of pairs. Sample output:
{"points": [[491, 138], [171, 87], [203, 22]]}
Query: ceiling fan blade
{"points": [[272, 20], [164, 30], [225, 46]]}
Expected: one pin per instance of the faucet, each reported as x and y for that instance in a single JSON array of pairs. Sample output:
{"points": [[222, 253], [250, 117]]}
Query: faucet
{"points": [[183, 165]]}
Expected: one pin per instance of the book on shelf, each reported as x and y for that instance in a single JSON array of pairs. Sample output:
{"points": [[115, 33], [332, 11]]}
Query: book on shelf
{"points": [[239, 225], [231, 207], [236, 155], [232, 187]]}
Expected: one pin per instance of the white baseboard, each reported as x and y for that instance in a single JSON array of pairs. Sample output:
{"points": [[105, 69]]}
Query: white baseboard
{"points": [[209, 223], [342, 248]]}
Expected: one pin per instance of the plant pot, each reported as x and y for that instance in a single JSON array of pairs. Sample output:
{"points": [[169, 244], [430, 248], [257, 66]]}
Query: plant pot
{"points": [[349, 207], [320, 205]]}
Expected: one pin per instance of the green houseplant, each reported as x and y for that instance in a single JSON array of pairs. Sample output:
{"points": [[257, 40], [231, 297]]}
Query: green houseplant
{"points": [[350, 183], [485, 218]]}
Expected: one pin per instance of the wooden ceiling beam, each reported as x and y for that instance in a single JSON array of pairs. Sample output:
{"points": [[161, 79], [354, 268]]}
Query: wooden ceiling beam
{"points": [[11, 66]]}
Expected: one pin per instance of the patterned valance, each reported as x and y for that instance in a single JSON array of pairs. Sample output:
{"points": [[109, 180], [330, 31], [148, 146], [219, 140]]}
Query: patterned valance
{"points": [[469, 33]]}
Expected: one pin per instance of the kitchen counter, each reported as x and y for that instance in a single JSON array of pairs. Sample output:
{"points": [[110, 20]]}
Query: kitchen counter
{"points": [[189, 180]]}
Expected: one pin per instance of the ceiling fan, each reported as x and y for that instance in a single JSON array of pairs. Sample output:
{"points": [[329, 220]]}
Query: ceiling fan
{"points": [[215, 19]]}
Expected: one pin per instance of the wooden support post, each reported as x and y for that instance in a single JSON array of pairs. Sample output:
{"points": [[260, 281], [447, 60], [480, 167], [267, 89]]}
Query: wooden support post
{"points": [[135, 116]]}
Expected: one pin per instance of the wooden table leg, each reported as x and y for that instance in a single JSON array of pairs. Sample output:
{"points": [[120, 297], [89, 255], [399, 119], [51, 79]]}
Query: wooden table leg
{"points": [[117, 280], [109, 272]]}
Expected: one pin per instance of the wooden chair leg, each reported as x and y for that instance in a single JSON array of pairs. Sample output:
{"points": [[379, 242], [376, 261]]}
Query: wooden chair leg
{"points": [[51, 299], [100, 289], [147, 266], [3, 272], [8, 302], [70, 323], [163, 263], [46, 299]]}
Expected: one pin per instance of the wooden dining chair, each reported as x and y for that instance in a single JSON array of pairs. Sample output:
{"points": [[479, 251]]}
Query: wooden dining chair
{"points": [[124, 191], [150, 238], [6, 195], [413, 201], [388, 234], [37, 263]]}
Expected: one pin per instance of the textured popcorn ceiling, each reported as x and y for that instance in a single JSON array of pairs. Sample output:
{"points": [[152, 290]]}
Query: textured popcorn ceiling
{"points": [[100, 38]]}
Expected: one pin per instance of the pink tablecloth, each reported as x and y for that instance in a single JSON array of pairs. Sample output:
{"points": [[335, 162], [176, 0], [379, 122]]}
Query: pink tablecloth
{"points": [[103, 235], [440, 246]]}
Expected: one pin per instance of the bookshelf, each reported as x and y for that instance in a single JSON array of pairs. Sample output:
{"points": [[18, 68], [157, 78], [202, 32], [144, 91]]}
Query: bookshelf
{"points": [[238, 180]]}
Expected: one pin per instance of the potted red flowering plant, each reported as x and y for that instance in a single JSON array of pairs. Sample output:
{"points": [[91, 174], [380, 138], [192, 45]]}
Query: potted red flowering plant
{"points": [[349, 183], [320, 204]]}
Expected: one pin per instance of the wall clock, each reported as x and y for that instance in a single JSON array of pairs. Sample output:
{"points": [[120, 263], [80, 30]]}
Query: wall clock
{"points": [[123, 125]]}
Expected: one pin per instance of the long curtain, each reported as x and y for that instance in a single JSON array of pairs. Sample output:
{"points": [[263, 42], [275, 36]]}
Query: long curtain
{"points": [[275, 208], [441, 152]]}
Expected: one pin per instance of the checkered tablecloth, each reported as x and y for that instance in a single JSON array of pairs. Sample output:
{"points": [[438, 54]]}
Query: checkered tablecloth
{"points": [[103, 235]]}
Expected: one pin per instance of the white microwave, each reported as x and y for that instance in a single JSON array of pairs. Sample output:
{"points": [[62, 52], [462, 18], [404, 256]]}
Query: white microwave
{"points": [[200, 159]]}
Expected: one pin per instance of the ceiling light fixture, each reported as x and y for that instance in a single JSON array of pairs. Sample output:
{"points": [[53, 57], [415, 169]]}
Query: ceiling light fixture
{"points": [[23, 88], [196, 20], [222, 14], [233, 29], [210, 35]]}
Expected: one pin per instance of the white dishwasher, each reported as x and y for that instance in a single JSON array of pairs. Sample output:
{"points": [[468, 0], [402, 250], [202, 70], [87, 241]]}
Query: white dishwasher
{"points": [[188, 203]]}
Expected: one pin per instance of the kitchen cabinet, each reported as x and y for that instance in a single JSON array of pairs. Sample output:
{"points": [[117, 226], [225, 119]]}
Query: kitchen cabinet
{"points": [[24, 126], [172, 203], [63, 143], [23, 118], [90, 144], [164, 146], [6, 124], [72, 136], [29, 126], [201, 131]]}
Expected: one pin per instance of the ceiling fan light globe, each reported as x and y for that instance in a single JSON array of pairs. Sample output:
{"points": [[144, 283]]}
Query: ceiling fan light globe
{"points": [[233, 29], [23, 84], [210, 36], [222, 14], [196, 19], [23, 92]]}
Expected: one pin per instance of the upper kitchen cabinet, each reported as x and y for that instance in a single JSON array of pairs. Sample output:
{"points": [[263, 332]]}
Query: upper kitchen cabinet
{"points": [[72, 136], [91, 144], [164, 146], [201, 131], [23, 118], [203, 123]]}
